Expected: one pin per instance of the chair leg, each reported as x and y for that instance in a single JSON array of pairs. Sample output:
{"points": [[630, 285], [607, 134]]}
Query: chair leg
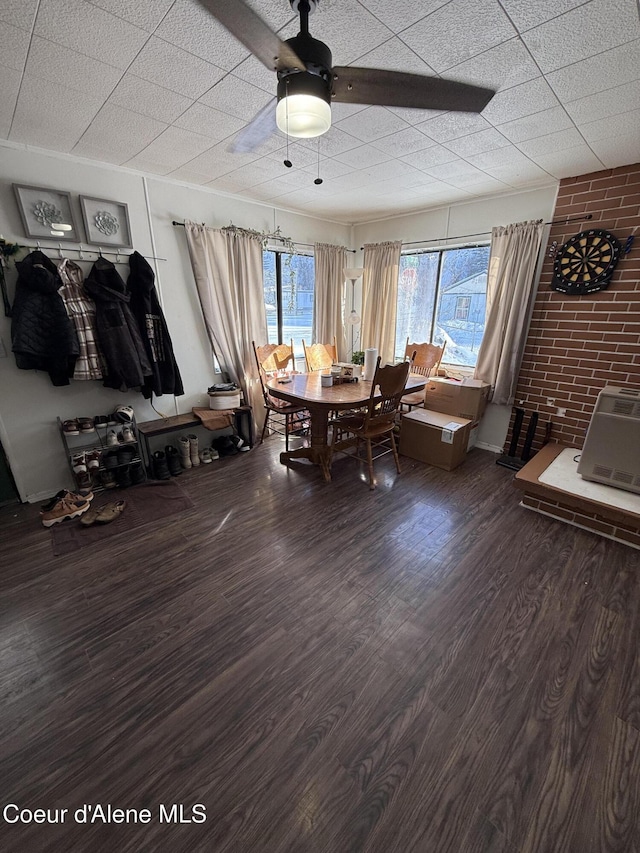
{"points": [[287, 429], [395, 452], [264, 428], [372, 481]]}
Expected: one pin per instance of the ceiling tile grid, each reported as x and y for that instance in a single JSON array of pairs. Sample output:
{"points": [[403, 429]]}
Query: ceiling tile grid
{"points": [[161, 87]]}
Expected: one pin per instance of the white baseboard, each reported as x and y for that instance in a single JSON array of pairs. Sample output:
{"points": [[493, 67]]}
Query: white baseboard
{"points": [[482, 445]]}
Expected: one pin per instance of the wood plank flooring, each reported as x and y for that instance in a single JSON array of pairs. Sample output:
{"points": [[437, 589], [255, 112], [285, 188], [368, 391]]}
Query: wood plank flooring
{"points": [[427, 667]]}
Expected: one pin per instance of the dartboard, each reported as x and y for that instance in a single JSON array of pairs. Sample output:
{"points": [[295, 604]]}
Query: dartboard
{"points": [[585, 263]]}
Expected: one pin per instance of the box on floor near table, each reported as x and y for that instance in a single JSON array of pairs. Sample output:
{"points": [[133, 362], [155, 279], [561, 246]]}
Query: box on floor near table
{"points": [[464, 399], [435, 438]]}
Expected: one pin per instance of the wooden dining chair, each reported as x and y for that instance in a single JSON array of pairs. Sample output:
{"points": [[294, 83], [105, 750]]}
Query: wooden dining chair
{"points": [[425, 359], [375, 425], [281, 417], [320, 356]]}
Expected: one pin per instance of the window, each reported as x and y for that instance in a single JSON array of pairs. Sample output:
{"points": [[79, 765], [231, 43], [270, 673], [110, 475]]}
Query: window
{"points": [[442, 296], [288, 297]]}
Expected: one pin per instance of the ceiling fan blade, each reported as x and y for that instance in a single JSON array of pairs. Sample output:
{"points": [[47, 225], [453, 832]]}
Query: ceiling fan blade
{"points": [[399, 89], [259, 129], [249, 28]]}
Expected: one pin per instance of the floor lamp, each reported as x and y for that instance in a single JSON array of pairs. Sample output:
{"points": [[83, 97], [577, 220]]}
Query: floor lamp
{"points": [[352, 274]]}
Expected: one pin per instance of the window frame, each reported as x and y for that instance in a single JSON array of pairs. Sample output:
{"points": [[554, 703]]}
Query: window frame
{"points": [[278, 252]]}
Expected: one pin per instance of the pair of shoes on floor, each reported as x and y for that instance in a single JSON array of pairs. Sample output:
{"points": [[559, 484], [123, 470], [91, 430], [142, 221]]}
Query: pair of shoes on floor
{"points": [[65, 505], [103, 514]]}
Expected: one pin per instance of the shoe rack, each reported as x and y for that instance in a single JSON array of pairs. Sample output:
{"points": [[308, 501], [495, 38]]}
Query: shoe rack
{"points": [[88, 442]]}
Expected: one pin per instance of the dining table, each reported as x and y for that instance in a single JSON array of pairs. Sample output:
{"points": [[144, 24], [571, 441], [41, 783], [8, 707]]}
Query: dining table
{"points": [[320, 400]]}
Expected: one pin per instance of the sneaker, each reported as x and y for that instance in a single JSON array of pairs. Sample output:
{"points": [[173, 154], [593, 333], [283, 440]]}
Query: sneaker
{"points": [[123, 477], [240, 443], [85, 495], [125, 455], [71, 427], [78, 462], [173, 460], [112, 438], [136, 472], [127, 435], [112, 419], [123, 414], [83, 479], [100, 421], [205, 456], [108, 479], [69, 506], [160, 467], [86, 425], [92, 458], [214, 454]]}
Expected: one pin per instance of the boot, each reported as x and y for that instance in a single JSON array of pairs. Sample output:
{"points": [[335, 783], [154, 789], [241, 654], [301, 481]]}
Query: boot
{"points": [[184, 447], [160, 467], [173, 460], [193, 442]]}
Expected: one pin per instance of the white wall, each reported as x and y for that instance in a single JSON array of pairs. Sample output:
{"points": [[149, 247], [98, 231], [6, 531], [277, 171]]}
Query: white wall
{"points": [[29, 403], [451, 222]]}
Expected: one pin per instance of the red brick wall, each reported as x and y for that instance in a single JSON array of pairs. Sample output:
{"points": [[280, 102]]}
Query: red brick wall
{"points": [[578, 344]]}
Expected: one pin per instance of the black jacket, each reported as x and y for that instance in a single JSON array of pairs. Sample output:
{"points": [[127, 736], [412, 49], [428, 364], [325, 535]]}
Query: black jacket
{"points": [[145, 307], [42, 335], [127, 362]]}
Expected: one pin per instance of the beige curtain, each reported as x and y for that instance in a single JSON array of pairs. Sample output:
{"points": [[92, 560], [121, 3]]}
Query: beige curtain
{"points": [[513, 260], [380, 297], [328, 308], [227, 265]]}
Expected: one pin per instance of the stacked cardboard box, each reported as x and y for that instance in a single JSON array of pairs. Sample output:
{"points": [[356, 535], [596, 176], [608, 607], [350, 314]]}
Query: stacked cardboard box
{"points": [[435, 438]]}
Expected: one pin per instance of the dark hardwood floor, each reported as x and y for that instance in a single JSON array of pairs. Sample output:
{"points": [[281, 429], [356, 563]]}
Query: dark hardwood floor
{"points": [[427, 667]]}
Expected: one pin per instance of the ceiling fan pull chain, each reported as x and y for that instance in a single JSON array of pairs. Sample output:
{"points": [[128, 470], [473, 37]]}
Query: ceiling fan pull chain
{"points": [[318, 180], [287, 162]]}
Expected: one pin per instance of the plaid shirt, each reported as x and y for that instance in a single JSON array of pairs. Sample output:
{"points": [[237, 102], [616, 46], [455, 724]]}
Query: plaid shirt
{"points": [[82, 311]]}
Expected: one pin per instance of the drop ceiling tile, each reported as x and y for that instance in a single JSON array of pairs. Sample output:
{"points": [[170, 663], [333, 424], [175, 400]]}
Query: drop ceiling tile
{"points": [[89, 30], [217, 161], [604, 104], [53, 115], [171, 149], [329, 168], [414, 117], [54, 62], [146, 14], [8, 98], [489, 160], [430, 157], [405, 141], [394, 55], [578, 160], [538, 124], [340, 111], [621, 125], [175, 69], [14, 44], [147, 98], [618, 150], [202, 119], [523, 173], [458, 31], [334, 142], [551, 142], [347, 27], [190, 26], [453, 125], [528, 15], [117, 134], [476, 143], [501, 67], [234, 96], [190, 176], [372, 123], [399, 16], [583, 32], [274, 12], [605, 71], [18, 13], [362, 157], [523, 100], [251, 70], [456, 172]]}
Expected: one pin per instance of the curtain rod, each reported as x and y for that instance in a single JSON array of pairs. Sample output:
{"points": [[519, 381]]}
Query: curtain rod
{"points": [[481, 233], [274, 237], [60, 249]]}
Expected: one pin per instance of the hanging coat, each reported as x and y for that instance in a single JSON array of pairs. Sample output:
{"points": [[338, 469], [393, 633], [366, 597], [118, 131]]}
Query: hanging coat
{"points": [[118, 335], [42, 335], [145, 307], [82, 311]]}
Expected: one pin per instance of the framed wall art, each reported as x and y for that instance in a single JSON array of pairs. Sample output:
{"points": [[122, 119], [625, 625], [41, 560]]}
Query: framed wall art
{"points": [[41, 208], [106, 222]]}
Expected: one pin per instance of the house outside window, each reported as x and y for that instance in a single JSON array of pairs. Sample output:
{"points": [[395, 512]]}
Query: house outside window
{"points": [[288, 297], [442, 296]]}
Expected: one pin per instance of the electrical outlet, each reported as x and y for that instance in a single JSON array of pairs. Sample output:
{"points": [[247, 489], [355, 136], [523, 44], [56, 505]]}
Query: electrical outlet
{"points": [[561, 413], [550, 402]]}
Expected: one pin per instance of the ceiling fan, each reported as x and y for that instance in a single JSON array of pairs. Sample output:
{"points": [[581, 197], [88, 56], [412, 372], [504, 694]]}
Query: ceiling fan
{"points": [[308, 81]]}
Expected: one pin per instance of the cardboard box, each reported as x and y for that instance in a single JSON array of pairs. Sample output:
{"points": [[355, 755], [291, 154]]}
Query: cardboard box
{"points": [[465, 399], [435, 438]]}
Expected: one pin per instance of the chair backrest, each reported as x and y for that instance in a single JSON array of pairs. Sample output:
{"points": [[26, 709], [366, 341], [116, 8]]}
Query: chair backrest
{"points": [[385, 402], [425, 358], [320, 356], [270, 359]]}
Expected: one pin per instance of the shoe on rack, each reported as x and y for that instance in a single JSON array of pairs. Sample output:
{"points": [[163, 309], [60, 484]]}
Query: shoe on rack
{"points": [[67, 507], [92, 458], [79, 463], [137, 474], [184, 448], [193, 449], [127, 435], [71, 427], [112, 438], [100, 421], [112, 419], [160, 467], [108, 479], [123, 477], [123, 414], [125, 455], [110, 459], [86, 425], [173, 460]]}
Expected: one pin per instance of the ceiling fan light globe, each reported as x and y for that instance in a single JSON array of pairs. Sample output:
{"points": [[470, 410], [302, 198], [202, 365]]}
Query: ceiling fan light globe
{"points": [[303, 116]]}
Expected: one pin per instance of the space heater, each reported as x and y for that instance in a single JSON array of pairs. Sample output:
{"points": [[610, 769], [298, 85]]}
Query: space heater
{"points": [[611, 452]]}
